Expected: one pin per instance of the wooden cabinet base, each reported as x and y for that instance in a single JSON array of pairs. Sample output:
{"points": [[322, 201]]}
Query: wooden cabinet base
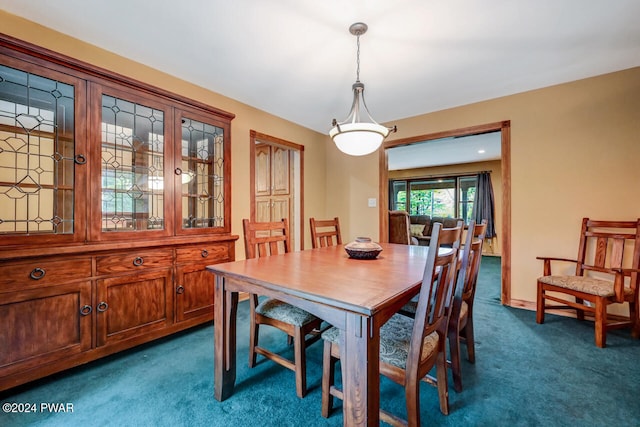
{"points": [[26, 376], [125, 297]]}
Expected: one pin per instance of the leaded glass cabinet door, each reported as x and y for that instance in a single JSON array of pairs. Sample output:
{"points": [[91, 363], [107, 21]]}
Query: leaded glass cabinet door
{"points": [[202, 174], [42, 155], [133, 193]]}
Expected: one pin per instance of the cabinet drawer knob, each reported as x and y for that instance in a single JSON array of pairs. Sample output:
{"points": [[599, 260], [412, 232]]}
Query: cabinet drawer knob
{"points": [[102, 306], [205, 253], [180, 290], [85, 310], [37, 273], [138, 261]]}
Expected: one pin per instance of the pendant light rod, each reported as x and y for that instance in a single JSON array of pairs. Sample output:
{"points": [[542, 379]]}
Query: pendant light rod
{"points": [[358, 29]]}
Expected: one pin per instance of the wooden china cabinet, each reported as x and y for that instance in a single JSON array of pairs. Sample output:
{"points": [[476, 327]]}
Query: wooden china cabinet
{"points": [[114, 197]]}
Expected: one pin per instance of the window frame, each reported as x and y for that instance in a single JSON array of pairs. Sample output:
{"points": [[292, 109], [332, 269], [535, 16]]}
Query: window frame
{"points": [[457, 202]]}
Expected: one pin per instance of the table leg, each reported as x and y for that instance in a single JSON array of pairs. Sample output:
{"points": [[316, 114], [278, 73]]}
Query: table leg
{"points": [[225, 316], [360, 361]]}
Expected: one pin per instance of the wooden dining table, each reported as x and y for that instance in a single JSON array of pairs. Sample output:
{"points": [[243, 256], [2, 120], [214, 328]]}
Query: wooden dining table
{"points": [[355, 295]]}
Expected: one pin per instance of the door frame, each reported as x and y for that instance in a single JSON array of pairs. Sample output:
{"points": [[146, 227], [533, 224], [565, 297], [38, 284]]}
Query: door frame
{"points": [[298, 209], [504, 127]]}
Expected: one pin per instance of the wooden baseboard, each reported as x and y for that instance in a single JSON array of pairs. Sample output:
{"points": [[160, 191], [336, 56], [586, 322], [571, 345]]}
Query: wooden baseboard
{"points": [[531, 305]]}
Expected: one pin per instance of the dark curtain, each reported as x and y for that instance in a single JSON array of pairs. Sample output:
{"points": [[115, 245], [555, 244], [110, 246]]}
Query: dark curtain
{"points": [[483, 208]]}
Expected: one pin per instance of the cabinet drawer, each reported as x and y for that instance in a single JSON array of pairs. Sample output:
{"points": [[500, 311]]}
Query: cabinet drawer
{"points": [[134, 260], [205, 252], [42, 272]]}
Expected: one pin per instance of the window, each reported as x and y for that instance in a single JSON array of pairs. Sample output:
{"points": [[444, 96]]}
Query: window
{"points": [[443, 196]]}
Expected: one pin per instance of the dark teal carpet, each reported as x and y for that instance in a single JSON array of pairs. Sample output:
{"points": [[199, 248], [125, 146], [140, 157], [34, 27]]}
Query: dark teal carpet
{"points": [[525, 375]]}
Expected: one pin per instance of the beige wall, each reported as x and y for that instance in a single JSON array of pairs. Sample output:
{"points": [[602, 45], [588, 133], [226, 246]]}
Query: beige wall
{"points": [[574, 153], [491, 247], [247, 118]]}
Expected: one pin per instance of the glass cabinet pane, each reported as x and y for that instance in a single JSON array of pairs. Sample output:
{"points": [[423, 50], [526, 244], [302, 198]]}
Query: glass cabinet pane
{"points": [[202, 174], [132, 166], [37, 157]]}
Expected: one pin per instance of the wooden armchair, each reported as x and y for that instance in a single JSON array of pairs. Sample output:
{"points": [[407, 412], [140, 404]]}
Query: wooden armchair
{"points": [[461, 317], [270, 239], [325, 232], [601, 277], [409, 348]]}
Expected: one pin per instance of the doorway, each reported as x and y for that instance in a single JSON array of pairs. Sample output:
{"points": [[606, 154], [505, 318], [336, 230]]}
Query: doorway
{"points": [[504, 128], [276, 183]]}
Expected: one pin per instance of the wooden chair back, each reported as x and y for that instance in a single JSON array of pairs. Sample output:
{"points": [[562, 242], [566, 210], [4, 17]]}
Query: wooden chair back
{"points": [[610, 245], [452, 237], [472, 255], [399, 227], [325, 232], [265, 238], [437, 286]]}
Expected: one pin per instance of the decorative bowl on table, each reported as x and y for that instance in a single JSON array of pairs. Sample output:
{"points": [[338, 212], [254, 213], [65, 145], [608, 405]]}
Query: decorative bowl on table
{"points": [[363, 248]]}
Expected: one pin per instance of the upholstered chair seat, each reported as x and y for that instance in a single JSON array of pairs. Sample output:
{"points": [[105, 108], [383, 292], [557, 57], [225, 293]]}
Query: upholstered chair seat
{"points": [[395, 336], [278, 310], [588, 285]]}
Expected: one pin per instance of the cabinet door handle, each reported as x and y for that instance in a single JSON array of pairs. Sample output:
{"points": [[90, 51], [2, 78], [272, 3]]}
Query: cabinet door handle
{"points": [[138, 261], [180, 290], [85, 310], [37, 273], [102, 306], [204, 253], [178, 171], [80, 159]]}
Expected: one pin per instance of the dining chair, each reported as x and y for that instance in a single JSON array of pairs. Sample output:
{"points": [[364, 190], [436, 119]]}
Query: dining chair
{"points": [[409, 309], [604, 275], [409, 347], [460, 326], [270, 239], [400, 228], [325, 232]]}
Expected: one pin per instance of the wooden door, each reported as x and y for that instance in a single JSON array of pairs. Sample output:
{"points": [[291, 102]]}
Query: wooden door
{"points": [[194, 292], [42, 325], [263, 170], [133, 304], [273, 183], [277, 184]]}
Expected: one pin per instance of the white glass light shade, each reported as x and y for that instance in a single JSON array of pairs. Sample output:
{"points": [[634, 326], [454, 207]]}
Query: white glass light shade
{"points": [[187, 177], [358, 139]]}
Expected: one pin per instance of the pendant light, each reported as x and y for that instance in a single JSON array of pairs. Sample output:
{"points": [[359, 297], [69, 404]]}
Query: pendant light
{"points": [[359, 133]]}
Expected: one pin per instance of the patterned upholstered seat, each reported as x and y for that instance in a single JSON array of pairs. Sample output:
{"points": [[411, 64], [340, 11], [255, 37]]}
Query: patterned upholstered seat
{"points": [[395, 336], [588, 285], [278, 310]]}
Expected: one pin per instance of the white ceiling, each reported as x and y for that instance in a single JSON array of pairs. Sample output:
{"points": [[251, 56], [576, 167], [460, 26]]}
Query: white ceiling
{"points": [[296, 58], [446, 151]]}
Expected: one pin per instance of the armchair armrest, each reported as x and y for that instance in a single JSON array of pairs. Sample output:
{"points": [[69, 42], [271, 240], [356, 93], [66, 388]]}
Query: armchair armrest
{"points": [[547, 263]]}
